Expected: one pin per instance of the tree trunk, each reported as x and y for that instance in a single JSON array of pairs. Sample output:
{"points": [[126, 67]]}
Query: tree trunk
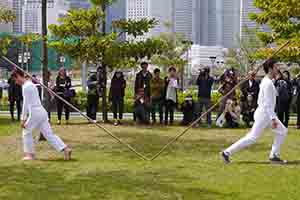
{"points": [[44, 48], [46, 96], [104, 96]]}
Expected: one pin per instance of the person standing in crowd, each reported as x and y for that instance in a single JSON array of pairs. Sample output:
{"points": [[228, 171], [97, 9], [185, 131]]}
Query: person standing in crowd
{"points": [[205, 83], [63, 86], [296, 83], [171, 86], [265, 117], [116, 96], [92, 96], [232, 113], [249, 98], [228, 81], [157, 96], [15, 98], [143, 80], [284, 98]]}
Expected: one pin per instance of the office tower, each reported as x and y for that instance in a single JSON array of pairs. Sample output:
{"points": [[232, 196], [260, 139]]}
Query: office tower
{"points": [[183, 18], [162, 11], [17, 7], [231, 23], [75, 4]]}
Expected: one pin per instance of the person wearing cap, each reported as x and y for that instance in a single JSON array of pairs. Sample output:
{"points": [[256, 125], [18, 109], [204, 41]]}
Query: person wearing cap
{"points": [[187, 109], [92, 96]]}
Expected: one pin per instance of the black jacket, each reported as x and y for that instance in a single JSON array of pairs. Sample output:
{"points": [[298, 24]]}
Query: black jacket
{"points": [[142, 81], [63, 84], [14, 91], [117, 88], [250, 90], [205, 86]]}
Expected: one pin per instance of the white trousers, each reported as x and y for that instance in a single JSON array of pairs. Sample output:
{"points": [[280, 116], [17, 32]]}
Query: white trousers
{"points": [[261, 122], [38, 119]]}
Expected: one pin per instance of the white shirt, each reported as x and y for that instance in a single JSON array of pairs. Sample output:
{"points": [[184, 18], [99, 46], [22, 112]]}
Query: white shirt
{"points": [[267, 97], [171, 90], [31, 98]]}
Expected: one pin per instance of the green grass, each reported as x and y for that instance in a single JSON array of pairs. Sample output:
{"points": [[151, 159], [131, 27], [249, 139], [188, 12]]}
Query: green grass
{"points": [[104, 169]]}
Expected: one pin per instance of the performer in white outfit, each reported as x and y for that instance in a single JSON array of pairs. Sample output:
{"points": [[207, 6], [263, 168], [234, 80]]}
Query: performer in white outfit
{"points": [[264, 117], [34, 116]]}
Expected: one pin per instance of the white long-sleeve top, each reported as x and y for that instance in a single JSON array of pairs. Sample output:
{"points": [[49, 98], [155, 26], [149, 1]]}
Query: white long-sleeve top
{"points": [[267, 97], [31, 98]]}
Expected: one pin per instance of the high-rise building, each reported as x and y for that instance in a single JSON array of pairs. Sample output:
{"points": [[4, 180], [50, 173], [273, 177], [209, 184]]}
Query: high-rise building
{"points": [[75, 4], [17, 7], [162, 11], [6, 27], [32, 16], [183, 18], [231, 23]]}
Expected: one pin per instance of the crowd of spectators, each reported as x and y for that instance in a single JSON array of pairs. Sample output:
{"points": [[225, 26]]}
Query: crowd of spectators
{"points": [[156, 97]]}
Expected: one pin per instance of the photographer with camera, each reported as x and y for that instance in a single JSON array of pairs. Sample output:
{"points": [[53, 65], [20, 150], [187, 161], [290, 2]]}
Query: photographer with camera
{"points": [[205, 83]]}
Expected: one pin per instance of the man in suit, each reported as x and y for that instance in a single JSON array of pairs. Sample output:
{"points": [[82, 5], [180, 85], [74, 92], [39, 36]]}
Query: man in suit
{"points": [[249, 98]]}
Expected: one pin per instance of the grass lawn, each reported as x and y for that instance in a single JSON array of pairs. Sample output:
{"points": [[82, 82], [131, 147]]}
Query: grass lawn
{"points": [[103, 169]]}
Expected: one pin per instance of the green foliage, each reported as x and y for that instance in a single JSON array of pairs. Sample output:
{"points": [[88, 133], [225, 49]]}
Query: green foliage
{"points": [[244, 57], [7, 15], [283, 18], [79, 36], [174, 49]]}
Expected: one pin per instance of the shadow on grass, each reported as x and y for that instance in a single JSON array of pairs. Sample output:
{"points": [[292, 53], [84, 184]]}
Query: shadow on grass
{"points": [[296, 162], [30, 182]]}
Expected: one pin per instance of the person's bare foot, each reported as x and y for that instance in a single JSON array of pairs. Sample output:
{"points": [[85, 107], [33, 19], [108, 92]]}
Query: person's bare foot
{"points": [[68, 153]]}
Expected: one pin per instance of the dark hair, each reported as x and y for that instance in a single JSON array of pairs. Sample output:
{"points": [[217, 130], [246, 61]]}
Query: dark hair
{"points": [[144, 63], [172, 69], [269, 64], [288, 74], [17, 72], [156, 70]]}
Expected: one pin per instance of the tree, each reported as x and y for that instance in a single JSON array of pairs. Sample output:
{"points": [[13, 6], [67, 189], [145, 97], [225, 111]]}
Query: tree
{"points": [[7, 16], [175, 52], [283, 18], [82, 36], [243, 58]]}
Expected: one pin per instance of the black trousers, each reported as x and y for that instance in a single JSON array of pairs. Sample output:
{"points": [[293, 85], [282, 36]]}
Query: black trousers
{"points": [[157, 104], [61, 105], [170, 109], [118, 108], [92, 106], [18, 104], [284, 115], [298, 112], [141, 114]]}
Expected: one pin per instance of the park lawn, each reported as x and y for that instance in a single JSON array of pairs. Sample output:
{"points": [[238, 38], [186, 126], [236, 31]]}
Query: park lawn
{"points": [[103, 169]]}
